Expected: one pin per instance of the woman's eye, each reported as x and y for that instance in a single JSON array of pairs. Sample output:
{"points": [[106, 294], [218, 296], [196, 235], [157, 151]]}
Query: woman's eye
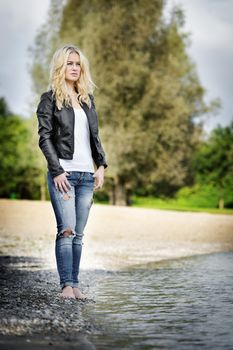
{"points": [[71, 64]]}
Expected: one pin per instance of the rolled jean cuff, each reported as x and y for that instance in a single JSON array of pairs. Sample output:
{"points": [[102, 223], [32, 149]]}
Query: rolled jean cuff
{"points": [[66, 284]]}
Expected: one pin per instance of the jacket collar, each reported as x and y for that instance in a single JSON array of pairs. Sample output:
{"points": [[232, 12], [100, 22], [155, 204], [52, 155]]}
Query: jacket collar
{"points": [[84, 106]]}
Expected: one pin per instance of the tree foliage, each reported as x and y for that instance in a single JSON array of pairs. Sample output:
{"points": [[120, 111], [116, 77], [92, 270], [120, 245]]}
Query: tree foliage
{"points": [[149, 93], [149, 96], [213, 163], [19, 176]]}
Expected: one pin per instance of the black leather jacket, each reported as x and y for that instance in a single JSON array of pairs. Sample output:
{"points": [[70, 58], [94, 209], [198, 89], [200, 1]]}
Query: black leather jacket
{"points": [[56, 133]]}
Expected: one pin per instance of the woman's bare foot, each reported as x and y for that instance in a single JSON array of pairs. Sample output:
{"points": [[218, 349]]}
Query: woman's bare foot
{"points": [[78, 294], [67, 292]]}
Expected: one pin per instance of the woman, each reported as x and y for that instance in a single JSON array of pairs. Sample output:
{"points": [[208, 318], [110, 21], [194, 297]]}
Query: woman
{"points": [[69, 140]]}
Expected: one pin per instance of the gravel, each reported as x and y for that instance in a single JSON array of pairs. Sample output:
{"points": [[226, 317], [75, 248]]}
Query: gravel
{"points": [[32, 313]]}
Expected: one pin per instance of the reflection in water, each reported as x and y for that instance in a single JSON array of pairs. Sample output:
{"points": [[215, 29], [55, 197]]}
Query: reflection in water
{"points": [[181, 304]]}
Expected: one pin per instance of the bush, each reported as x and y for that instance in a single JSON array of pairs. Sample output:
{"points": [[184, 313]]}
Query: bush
{"points": [[201, 196]]}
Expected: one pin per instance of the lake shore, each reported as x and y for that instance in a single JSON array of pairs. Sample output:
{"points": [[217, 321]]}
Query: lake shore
{"points": [[32, 314], [115, 237], [174, 308], [121, 246]]}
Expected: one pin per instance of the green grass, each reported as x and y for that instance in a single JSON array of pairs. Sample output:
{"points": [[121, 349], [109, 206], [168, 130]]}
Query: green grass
{"points": [[173, 204]]}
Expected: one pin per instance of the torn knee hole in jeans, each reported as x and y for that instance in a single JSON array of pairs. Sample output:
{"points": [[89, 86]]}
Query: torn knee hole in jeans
{"points": [[67, 232]]}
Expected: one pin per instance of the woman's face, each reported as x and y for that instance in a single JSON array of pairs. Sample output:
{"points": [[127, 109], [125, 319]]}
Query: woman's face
{"points": [[73, 68]]}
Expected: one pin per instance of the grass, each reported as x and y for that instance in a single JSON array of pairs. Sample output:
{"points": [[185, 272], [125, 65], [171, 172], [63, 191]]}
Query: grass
{"points": [[173, 204]]}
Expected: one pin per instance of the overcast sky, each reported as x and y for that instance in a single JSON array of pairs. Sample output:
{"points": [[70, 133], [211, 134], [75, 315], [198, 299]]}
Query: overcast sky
{"points": [[210, 23]]}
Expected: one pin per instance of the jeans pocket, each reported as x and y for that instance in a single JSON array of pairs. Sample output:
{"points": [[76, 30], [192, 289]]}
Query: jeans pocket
{"points": [[90, 175]]}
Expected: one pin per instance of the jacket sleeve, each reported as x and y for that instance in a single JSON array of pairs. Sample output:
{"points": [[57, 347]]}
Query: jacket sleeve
{"points": [[98, 155], [46, 132]]}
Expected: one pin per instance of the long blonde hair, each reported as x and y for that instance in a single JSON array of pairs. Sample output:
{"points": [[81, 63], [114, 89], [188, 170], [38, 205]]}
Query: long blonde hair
{"points": [[84, 85]]}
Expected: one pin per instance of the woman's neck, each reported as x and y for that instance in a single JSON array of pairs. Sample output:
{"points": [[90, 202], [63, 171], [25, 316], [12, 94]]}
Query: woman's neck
{"points": [[71, 88]]}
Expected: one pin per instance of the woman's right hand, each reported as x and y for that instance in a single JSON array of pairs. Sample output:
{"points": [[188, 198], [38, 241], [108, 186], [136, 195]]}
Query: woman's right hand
{"points": [[61, 182]]}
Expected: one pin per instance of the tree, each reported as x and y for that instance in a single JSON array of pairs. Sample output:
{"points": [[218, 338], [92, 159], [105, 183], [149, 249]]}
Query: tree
{"points": [[149, 94], [4, 110], [213, 163], [19, 172]]}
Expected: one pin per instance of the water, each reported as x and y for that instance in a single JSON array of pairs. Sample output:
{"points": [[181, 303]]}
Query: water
{"points": [[180, 304]]}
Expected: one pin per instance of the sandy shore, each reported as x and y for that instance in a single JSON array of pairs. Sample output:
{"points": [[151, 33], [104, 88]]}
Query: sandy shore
{"points": [[115, 237]]}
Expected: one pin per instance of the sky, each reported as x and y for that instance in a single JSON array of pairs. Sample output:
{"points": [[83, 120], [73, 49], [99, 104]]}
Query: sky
{"points": [[209, 22]]}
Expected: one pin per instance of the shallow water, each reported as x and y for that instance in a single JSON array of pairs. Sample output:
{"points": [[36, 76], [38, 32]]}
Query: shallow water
{"points": [[180, 304], [175, 304]]}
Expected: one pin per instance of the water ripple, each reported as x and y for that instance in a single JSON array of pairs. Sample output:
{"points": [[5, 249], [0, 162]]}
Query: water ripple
{"points": [[184, 304]]}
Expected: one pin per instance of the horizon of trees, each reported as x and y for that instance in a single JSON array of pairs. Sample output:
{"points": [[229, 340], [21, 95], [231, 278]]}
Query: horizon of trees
{"points": [[23, 170]]}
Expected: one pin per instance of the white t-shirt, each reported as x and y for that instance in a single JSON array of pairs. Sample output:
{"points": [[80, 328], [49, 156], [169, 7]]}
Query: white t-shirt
{"points": [[82, 158]]}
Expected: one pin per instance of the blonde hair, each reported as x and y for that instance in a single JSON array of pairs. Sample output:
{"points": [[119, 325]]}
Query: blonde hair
{"points": [[84, 85]]}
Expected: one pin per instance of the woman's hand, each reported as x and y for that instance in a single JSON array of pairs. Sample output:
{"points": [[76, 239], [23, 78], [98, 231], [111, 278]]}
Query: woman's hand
{"points": [[99, 177], [61, 182]]}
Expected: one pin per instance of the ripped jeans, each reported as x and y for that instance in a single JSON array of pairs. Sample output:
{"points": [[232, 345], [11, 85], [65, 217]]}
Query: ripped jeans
{"points": [[71, 210]]}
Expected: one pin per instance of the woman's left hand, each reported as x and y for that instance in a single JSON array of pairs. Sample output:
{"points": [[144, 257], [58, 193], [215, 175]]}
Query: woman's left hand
{"points": [[99, 177]]}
